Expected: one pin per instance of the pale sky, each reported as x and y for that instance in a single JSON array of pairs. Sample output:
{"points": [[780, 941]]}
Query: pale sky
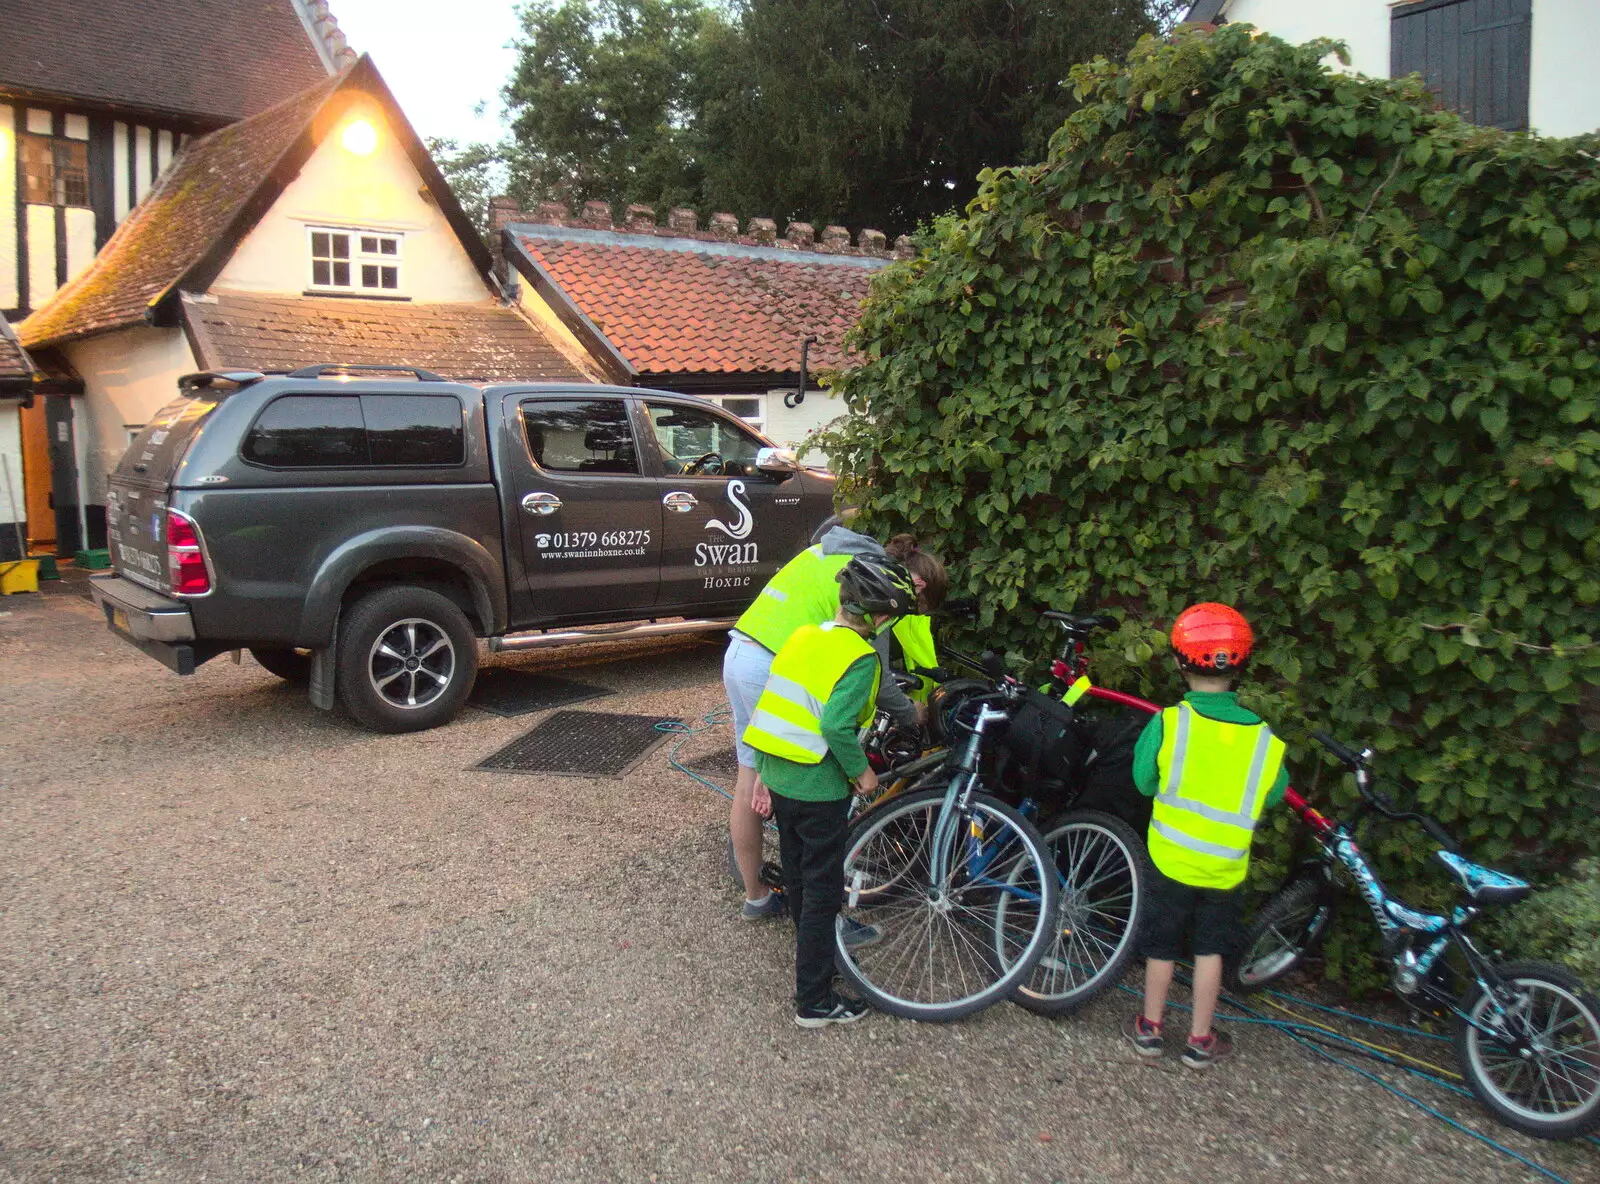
{"points": [[440, 59]]}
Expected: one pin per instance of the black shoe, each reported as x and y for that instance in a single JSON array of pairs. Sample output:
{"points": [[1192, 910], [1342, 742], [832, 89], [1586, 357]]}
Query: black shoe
{"points": [[838, 1009], [1205, 1052]]}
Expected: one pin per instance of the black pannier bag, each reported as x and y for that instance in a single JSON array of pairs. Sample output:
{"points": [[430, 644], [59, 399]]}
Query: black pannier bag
{"points": [[1041, 752], [1107, 774]]}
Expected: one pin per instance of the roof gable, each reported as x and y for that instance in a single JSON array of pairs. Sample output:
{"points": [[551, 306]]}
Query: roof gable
{"points": [[16, 369], [210, 60], [682, 305], [215, 191]]}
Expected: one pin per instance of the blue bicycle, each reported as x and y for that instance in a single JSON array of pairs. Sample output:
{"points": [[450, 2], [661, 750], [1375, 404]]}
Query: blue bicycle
{"points": [[1527, 1034], [960, 886]]}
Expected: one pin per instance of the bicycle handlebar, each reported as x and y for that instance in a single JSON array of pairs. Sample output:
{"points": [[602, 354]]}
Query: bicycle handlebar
{"points": [[1358, 762]]}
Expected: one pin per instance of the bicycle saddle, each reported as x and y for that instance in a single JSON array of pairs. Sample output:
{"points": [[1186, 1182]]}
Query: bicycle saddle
{"points": [[1484, 885], [1077, 624]]}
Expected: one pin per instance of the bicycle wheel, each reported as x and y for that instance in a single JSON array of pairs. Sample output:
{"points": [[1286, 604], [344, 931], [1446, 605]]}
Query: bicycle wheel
{"points": [[947, 949], [1100, 865], [1555, 1092], [1284, 930]]}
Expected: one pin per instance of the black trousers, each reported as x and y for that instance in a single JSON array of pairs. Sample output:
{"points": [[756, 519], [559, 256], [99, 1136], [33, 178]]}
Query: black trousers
{"points": [[811, 838]]}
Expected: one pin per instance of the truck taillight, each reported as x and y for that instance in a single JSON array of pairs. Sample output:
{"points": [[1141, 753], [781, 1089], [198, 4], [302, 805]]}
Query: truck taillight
{"points": [[186, 563]]}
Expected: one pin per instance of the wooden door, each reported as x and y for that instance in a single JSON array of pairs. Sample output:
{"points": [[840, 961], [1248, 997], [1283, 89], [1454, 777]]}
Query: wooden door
{"points": [[36, 481]]}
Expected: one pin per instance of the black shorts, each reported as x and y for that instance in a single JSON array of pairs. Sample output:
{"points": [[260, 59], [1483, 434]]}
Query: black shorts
{"points": [[1211, 916]]}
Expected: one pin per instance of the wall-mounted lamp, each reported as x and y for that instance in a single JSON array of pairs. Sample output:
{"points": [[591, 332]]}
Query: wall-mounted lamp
{"points": [[359, 137]]}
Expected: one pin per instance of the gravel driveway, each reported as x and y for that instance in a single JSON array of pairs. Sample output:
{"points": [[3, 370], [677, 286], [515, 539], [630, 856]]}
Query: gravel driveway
{"points": [[242, 941]]}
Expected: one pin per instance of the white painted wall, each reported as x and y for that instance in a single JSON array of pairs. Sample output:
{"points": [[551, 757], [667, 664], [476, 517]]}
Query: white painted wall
{"points": [[376, 192], [80, 241], [41, 253], [1362, 24], [541, 314], [128, 376], [789, 426], [13, 508], [1564, 92], [8, 207]]}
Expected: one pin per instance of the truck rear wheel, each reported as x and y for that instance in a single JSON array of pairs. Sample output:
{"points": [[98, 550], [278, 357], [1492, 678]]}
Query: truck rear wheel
{"points": [[407, 660]]}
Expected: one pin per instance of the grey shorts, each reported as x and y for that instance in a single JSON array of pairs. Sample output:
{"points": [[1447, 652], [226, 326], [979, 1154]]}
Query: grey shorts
{"points": [[744, 675]]}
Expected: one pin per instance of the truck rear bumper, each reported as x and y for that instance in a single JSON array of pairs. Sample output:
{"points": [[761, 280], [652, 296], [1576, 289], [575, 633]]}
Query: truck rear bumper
{"points": [[156, 624]]}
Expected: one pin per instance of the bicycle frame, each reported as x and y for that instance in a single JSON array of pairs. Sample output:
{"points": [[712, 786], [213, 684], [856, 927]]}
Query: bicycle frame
{"points": [[1396, 921]]}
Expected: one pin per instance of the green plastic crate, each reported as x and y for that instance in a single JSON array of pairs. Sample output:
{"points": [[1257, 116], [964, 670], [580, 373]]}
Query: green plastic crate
{"points": [[47, 567], [96, 560]]}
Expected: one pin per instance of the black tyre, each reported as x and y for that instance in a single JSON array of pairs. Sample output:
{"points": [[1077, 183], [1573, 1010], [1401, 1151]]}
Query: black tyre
{"points": [[949, 948], [1101, 867], [1284, 930], [1553, 1092], [407, 660], [291, 665]]}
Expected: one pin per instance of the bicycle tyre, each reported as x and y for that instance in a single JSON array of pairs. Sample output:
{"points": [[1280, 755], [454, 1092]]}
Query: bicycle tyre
{"points": [[1102, 872], [1285, 929], [1574, 1068], [936, 960]]}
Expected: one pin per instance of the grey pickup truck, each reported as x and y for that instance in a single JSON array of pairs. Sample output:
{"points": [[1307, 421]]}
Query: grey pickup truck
{"points": [[360, 527]]}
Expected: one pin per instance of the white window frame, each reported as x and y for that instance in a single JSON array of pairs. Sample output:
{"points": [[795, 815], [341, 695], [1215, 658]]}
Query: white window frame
{"points": [[357, 259], [758, 421]]}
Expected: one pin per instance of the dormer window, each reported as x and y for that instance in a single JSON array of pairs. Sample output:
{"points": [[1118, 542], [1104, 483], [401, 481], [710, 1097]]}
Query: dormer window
{"points": [[360, 262]]}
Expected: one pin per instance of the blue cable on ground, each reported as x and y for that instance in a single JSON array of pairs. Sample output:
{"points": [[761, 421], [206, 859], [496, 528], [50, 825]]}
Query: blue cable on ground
{"points": [[711, 719], [1294, 1032]]}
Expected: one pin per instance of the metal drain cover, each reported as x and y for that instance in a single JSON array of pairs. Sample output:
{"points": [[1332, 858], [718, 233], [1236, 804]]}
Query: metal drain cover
{"points": [[580, 744], [508, 692]]}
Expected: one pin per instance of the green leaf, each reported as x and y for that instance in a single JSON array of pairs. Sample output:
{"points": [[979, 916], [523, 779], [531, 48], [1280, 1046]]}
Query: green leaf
{"points": [[1491, 284], [1493, 419]]}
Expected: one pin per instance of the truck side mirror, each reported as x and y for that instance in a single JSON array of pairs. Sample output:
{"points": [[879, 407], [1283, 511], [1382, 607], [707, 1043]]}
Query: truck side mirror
{"points": [[777, 461]]}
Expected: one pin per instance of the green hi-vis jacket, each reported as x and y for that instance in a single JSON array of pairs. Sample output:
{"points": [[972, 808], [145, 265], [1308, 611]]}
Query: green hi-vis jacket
{"points": [[803, 592], [1215, 779], [915, 635], [787, 721]]}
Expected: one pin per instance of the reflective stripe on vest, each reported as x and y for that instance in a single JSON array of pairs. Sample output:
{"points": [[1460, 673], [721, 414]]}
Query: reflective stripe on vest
{"points": [[1215, 777], [803, 592], [915, 635], [787, 721]]}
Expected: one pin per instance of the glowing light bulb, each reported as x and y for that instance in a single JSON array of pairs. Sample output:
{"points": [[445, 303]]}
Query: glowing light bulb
{"points": [[359, 137]]}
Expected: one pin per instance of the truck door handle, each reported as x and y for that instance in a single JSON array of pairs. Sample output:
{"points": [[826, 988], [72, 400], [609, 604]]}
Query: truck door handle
{"points": [[680, 501], [541, 503]]}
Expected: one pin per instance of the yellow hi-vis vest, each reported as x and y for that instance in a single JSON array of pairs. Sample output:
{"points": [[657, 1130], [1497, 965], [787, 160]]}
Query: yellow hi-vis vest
{"points": [[1215, 778], [803, 592], [915, 635], [787, 721]]}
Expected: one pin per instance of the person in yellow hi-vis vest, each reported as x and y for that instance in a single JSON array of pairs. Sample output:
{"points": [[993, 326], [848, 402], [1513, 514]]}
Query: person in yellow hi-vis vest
{"points": [[805, 591], [821, 690], [1212, 767]]}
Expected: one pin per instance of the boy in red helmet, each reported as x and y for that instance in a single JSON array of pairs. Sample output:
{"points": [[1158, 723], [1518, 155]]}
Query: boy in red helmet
{"points": [[1212, 767]]}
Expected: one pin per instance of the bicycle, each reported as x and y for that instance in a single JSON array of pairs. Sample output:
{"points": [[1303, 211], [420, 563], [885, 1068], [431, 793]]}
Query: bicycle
{"points": [[960, 886], [1527, 1034], [1098, 858]]}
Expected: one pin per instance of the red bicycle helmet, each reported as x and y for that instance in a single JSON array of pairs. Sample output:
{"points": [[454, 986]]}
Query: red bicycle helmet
{"points": [[1212, 639]]}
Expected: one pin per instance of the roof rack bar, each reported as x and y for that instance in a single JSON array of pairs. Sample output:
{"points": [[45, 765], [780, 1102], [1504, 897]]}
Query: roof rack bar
{"points": [[207, 378], [363, 367]]}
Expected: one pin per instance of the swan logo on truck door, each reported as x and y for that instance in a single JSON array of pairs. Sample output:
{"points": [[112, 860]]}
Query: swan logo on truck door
{"points": [[737, 552]]}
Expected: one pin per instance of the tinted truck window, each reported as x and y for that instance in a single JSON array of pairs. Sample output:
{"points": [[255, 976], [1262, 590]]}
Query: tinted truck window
{"points": [[580, 436], [414, 429], [153, 456], [351, 431], [309, 432]]}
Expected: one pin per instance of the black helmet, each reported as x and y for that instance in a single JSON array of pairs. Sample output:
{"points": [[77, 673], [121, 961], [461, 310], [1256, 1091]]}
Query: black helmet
{"points": [[876, 586]]}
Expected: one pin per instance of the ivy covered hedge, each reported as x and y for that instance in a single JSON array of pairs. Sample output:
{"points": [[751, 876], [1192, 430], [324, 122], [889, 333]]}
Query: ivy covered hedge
{"points": [[1262, 332]]}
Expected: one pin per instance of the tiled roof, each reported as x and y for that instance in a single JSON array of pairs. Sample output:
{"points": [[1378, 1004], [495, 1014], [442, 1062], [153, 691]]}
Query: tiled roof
{"points": [[211, 59], [683, 305], [14, 364], [197, 200], [483, 342]]}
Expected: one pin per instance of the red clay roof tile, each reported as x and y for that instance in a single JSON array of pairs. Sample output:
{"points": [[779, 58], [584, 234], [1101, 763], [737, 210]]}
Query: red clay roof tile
{"points": [[685, 306]]}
